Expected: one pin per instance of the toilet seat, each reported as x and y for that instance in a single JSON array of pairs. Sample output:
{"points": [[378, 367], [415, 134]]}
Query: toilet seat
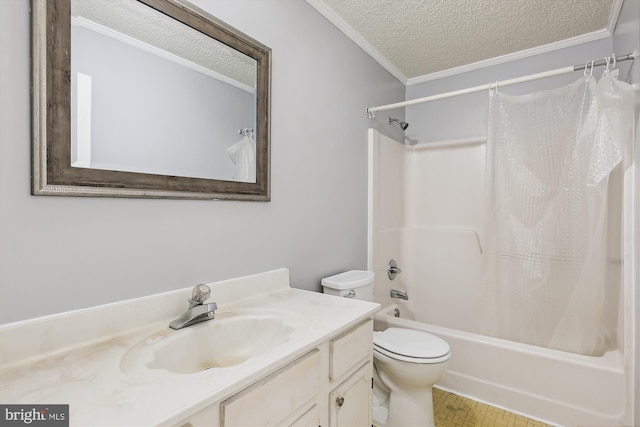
{"points": [[410, 345]]}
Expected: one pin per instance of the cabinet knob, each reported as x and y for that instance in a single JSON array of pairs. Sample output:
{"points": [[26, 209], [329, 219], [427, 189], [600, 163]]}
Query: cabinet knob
{"points": [[340, 401]]}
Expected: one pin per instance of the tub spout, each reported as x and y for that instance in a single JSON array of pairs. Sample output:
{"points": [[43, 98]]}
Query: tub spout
{"points": [[398, 294]]}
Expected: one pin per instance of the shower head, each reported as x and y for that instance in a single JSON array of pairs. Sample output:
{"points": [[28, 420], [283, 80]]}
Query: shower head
{"points": [[403, 125]]}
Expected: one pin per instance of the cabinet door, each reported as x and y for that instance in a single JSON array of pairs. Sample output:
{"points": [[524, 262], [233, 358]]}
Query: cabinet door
{"points": [[350, 404]]}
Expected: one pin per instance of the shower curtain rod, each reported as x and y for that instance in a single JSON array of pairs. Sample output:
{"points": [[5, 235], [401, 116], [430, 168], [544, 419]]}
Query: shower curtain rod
{"points": [[557, 72]]}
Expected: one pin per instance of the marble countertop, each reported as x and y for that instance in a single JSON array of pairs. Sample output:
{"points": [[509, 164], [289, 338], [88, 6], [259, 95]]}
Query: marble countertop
{"points": [[76, 358]]}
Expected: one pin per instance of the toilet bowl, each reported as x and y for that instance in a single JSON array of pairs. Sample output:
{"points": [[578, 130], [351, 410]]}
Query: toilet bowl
{"points": [[407, 362]]}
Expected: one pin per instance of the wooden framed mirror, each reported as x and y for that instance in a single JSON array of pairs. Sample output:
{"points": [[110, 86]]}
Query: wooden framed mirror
{"points": [[103, 127]]}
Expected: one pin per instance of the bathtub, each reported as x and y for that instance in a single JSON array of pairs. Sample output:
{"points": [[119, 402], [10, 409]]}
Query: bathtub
{"points": [[555, 387]]}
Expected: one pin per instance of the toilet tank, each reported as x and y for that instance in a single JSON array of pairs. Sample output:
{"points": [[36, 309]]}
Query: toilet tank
{"points": [[357, 284]]}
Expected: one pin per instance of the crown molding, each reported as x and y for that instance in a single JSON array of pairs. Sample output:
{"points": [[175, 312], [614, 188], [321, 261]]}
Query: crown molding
{"points": [[350, 32], [573, 41]]}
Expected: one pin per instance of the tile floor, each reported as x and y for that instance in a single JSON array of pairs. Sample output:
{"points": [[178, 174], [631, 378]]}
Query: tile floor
{"points": [[451, 410]]}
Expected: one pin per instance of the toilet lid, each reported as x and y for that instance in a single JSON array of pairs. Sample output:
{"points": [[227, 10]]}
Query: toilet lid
{"points": [[411, 343]]}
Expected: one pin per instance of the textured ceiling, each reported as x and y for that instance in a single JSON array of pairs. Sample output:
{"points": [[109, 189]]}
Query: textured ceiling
{"points": [[139, 22], [416, 38]]}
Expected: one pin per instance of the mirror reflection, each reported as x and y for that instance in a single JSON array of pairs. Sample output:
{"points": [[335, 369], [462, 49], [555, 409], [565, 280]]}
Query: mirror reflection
{"points": [[147, 99], [152, 95]]}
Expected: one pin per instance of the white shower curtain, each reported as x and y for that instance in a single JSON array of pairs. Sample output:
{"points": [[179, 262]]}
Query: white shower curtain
{"points": [[243, 156], [549, 156]]}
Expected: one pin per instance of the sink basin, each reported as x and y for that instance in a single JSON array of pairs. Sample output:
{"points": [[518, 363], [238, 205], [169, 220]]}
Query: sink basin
{"points": [[227, 340]]}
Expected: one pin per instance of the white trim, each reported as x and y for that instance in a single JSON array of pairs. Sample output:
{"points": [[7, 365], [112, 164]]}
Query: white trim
{"points": [[372, 156], [109, 32], [631, 272], [562, 44], [357, 38]]}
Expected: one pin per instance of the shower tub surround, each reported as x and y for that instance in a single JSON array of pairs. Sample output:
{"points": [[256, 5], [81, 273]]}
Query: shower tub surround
{"points": [[96, 360], [437, 241]]}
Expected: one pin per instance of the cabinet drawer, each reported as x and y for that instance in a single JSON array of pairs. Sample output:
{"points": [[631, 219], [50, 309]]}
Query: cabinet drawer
{"points": [[208, 417], [311, 418], [350, 348], [270, 401]]}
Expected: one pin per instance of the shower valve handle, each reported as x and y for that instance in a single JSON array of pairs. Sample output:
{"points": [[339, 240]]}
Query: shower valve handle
{"points": [[393, 270]]}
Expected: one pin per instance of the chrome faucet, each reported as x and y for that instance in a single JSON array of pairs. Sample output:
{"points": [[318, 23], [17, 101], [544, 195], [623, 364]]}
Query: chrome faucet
{"points": [[197, 312]]}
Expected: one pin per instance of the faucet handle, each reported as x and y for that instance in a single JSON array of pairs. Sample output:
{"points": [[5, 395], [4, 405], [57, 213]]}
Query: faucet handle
{"points": [[199, 294]]}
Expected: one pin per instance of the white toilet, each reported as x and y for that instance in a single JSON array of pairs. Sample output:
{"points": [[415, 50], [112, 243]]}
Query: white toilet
{"points": [[408, 362]]}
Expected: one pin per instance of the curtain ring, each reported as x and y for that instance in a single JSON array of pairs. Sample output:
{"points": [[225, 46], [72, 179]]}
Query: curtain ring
{"points": [[589, 67], [613, 58], [493, 86], [607, 62]]}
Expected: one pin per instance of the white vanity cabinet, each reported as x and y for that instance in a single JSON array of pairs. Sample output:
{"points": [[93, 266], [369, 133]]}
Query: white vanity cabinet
{"points": [[329, 386], [278, 357]]}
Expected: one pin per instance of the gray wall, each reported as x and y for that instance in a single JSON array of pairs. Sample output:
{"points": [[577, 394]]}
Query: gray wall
{"points": [[63, 253], [466, 116]]}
